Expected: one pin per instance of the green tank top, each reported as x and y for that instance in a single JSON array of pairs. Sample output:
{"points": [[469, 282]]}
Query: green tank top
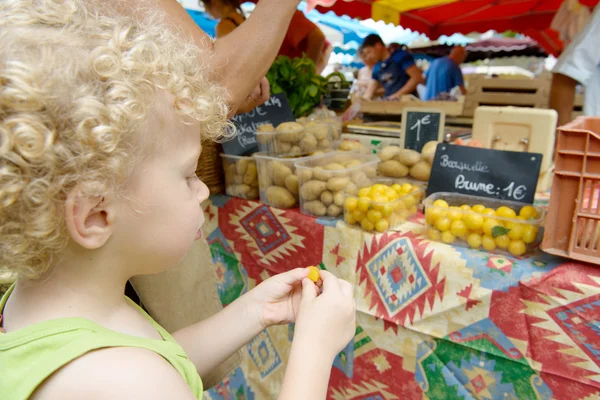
{"points": [[30, 355]]}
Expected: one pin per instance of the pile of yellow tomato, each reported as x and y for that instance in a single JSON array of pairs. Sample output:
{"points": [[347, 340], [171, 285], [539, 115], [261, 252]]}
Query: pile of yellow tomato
{"points": [[480, 227], [380, 207]]}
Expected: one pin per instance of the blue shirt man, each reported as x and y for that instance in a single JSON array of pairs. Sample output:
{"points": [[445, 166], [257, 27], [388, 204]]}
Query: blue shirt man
{"points": [[395, 72], [444, 74]]}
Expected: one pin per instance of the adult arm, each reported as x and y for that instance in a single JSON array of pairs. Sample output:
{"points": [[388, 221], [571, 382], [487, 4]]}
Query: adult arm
{"points": [[224, 28], [562, 97], [415, 77], [315, 44], [371, 90], [243, 57]]}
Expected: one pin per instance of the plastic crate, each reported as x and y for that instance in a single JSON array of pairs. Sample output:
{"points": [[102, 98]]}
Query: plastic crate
{"points": [[573, 223]]}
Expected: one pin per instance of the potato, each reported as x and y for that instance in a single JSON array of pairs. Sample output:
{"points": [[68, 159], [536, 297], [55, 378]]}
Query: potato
{"points": [[264, 177], [243, 190], [312, 190], [320, 174], [393, 169], [421, 171], [334, 167], [317, 153], [353, 164], [238, 179], [280, 198], [338, 183], [315, 207], [253, 194], [334, 210], [327, 197], [305, 174], [290, 132], [279, 172], [371, 172], [388, 153], [283, 147], [349, 145], [296, 150], [291, 184], [252, 169], [241, 166], [324, 144], [359, 178], [408, 157], [308, 143], [430, 147], [428, 157], [351, 189], [265, 128], [250, 179], [320, 132], [338, 199]]}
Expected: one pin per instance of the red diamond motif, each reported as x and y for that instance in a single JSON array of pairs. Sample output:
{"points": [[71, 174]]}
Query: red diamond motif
{"points": [[478, 383], [397, 274], [382, 271], [411, 279], [393, 298]]}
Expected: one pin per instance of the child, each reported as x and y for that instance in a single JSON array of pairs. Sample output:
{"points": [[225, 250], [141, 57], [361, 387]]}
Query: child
{"points": [[100, 117]]}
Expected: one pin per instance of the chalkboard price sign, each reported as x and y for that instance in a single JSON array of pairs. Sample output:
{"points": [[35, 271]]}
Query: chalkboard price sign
{"points": [[421, 125], [275, 111], [506, 175]]}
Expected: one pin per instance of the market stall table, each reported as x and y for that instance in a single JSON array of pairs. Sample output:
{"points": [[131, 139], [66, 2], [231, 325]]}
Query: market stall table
{"points": [[433, 321]]}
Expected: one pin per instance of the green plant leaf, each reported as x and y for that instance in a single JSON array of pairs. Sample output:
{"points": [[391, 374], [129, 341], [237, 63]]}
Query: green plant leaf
{"points": [[499, 231]]}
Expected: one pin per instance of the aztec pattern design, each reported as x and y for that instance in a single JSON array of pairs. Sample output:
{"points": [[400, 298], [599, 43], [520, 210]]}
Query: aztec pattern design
{"points": [[433, 321]]}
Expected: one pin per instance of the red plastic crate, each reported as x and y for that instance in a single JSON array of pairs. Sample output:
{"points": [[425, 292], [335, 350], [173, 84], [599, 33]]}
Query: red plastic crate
{"points": [[573, 221]]}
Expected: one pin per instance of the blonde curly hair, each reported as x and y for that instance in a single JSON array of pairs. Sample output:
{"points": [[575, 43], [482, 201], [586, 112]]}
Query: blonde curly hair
{"points": [[77, 83]]}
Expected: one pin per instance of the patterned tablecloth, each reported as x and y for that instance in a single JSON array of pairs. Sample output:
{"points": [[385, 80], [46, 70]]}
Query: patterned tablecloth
{"points": [[434, 321]]}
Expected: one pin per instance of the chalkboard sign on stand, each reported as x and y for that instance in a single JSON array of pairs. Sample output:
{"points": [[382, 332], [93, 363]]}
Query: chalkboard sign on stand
{"points": [[506, 175], [275, 111], [421, 125]]}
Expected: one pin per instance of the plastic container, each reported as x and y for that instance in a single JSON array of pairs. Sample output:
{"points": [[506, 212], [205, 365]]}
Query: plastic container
{"points": [[573, 222], [278, 182], [323, 181], [373, 213], [313, 137], [372, 144], [474, 227], [241, 176]]}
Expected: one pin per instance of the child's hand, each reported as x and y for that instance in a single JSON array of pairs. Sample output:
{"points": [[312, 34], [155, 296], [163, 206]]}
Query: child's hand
{"points": [[276, 300], [326, 323]]}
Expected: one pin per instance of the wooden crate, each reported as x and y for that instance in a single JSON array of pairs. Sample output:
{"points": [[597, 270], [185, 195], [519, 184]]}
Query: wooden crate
{"points": [[454, 108], [486, 91]]}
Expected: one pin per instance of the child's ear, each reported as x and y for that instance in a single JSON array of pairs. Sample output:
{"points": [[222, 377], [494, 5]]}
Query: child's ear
{"points": [[89, 219]]}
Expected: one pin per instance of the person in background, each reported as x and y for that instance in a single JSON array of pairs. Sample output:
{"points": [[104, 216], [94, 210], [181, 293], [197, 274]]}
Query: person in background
{"points": [[228, 12], [304, 36], [578, 64], [444, 74], [395, 72], [365, 75]]}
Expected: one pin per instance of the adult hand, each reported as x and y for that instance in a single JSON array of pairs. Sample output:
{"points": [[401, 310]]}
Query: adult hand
{"points": [[259, 95]]}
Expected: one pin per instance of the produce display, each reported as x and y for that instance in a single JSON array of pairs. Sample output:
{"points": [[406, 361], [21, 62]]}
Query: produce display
{"points": [[479, 223], [241, 176], [382, 206], [400, 163], [277, 179], [293, 138], [324, 180]]}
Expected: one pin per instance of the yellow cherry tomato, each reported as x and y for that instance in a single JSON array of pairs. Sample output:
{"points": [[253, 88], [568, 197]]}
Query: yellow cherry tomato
{"points": [[407, 188], [367, 225], [382, 225], [390, 194], [364, 192], [478, 208], [397, 187], [399, 205], [489, 212], [502, 241], [350, 204], [313, 274], [517, 248], [387, 210], [528, 212], [488, 243], [473, 221], [455, 214], [448, 237], [474, 240], [409, 201], [441, 203], [363, 204], [465, 207], [443, 224], [349, 218], [506, 212], [459, 229], [358, 215], [516, 231], [529, 233], [374, 216], [489, 225], [434, 234]]}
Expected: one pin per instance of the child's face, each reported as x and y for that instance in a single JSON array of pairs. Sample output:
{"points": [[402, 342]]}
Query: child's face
{"points": [[160, 217]]}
